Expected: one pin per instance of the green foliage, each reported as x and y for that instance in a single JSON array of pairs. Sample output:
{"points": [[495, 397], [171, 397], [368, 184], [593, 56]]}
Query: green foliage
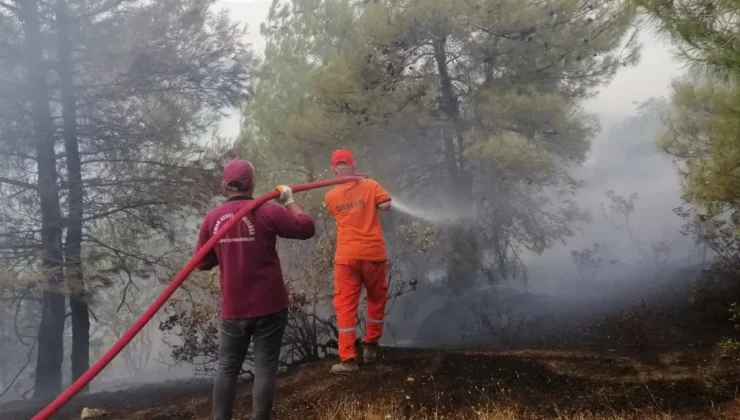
{"points": [[703, 136], [477, 102], [730, 347], [299, 36], [706, 31], [705, 117]]}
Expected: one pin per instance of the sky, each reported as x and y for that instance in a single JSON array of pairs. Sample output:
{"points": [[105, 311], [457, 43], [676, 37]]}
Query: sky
{"points": [[652, 76]]}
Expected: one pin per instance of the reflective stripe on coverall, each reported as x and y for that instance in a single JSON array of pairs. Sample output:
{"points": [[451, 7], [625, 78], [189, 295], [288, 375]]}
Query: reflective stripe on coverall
{"points": [[349, 276]]}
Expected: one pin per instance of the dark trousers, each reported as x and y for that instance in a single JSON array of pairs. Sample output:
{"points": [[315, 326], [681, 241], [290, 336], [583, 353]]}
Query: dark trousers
{"points": [[267, 333]]}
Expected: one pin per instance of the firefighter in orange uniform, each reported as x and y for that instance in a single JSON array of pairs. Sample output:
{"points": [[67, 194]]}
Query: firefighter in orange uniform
{"points": [[360, 259]]}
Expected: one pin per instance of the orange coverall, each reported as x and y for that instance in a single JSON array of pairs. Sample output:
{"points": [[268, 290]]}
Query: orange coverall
{"points": [[360, 259]]}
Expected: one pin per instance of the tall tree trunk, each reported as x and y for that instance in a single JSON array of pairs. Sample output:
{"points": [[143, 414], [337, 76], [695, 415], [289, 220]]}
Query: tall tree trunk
{"points": [[314, 339], [73, 241], [48, 379], [465, 261]]}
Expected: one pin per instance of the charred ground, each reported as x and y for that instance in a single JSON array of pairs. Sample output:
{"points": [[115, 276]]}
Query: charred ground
{"points": [[650, 361], [413, 383]]}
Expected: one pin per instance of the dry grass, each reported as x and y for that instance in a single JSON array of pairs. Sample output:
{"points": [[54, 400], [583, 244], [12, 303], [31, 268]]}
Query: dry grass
{"points": [[352, 410], [442, 385]]}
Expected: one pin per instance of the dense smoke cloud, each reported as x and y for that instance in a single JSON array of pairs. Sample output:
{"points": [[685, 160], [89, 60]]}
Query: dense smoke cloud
{"points": [[640, 257]]}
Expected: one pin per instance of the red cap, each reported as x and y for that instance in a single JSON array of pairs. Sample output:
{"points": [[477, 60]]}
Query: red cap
{"points": [[238, 170], [342, 156]]}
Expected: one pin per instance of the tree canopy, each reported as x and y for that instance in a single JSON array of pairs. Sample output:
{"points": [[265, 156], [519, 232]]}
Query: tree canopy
{"points": [[103, 106], [705, 116], [472, 103]]}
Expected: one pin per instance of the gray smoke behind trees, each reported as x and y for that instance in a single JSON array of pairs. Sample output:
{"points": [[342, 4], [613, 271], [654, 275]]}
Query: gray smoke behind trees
{"points": [[632, 248]]}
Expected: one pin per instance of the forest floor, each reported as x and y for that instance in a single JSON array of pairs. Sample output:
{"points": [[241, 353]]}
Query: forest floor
{"points": [[655, 361], [418, 384]]}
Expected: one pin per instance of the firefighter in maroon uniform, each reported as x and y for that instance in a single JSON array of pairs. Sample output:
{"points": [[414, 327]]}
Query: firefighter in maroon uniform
{"points": [[254, 300]]}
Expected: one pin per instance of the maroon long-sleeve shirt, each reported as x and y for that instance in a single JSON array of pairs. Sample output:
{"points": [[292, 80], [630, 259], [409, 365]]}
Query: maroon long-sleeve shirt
{"points": [[251, 277]]}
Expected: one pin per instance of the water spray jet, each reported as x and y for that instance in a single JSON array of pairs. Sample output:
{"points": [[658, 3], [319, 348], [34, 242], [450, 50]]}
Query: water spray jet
{"points": [[437, 216]]}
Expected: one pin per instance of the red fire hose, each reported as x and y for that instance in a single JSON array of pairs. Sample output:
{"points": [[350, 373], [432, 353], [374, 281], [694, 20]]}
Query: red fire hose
{"points": [[126, 338]]}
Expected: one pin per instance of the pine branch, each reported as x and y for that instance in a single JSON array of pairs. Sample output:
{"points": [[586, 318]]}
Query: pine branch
{"points": [[17, 183]]}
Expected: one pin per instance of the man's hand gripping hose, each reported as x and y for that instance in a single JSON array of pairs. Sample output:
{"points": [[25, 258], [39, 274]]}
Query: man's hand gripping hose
{"points": [[286, 195], [137, 326]]}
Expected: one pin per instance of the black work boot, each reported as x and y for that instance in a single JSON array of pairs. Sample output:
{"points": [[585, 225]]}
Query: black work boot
{"points": [[369, 353]]}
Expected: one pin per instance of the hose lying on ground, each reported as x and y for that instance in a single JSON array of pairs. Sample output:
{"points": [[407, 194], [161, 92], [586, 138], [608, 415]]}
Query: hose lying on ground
{"points": [[137, 326]]}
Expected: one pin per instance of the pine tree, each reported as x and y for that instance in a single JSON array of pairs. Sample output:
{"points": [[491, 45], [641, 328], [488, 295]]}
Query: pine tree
{"points": [[476, 103], [705, 114], [105, 152]]}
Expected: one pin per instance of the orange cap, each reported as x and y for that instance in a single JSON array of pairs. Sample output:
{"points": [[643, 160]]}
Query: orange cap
{"points": [[342, 156]]}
